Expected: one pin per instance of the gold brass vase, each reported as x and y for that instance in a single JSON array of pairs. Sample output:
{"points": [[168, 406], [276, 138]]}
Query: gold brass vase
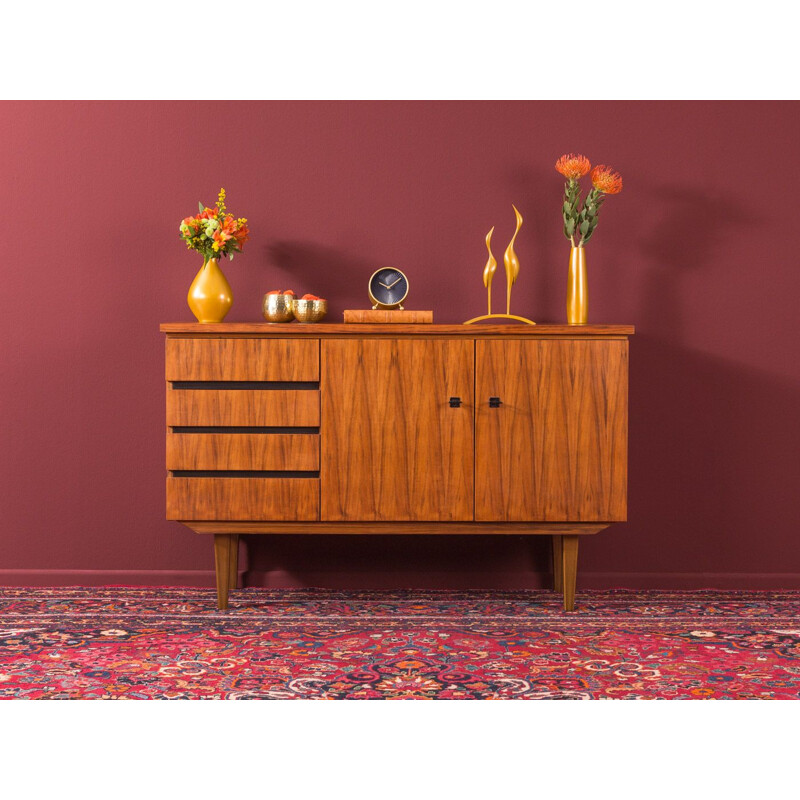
{"points": [[577, 290], [210, 295]]}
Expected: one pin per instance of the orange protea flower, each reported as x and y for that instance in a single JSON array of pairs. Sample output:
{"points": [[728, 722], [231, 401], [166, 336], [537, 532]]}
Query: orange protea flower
{"points": [[606, 180], [573, 166]]}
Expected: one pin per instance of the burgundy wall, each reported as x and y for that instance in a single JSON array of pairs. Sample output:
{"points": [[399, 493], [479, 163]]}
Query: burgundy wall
{"points": [[697, 252]]}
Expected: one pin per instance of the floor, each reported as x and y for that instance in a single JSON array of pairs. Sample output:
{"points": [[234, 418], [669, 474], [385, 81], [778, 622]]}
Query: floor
{"points": [[172, 643]]}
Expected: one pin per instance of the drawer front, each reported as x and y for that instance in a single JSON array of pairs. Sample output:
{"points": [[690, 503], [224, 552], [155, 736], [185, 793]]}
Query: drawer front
{"points": [[205, 359], [243, 407], [285, 499], [242, 451]]}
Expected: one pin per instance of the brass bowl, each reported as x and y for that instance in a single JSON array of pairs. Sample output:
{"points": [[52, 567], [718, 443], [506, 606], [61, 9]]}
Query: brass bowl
{"points": [[309, 310], [278, 307]]}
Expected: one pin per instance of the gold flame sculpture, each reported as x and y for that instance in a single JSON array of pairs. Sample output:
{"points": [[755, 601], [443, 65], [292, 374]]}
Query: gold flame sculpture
{"points": [[490, 268], [511, 263]]}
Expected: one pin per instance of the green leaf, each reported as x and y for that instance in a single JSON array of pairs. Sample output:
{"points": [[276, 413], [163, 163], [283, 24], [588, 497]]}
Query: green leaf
{"points": [[569, 227], [584, 227], [202, 207]]}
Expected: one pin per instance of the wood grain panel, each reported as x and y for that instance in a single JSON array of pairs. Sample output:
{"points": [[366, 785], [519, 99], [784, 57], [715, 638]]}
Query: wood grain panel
{"points": [[338, 329], [247, 407], [392, 447], [242, 498], [245, 451], [387, 316], [556, 449], [554, 529], [215, 359]]}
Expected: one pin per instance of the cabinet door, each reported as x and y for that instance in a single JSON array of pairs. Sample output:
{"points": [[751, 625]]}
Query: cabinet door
{"points": [[393, 448], [555, 449]]}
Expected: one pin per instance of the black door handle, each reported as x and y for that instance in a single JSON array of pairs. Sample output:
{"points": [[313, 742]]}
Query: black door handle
{"points": [[455, 402], [495, 402]]}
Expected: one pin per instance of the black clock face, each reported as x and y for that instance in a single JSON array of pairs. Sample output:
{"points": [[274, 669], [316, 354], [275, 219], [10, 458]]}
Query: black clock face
{"points": [[389, 286]]}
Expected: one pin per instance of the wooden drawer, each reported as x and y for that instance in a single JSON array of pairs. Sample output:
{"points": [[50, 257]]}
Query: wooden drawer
{"points": [[285, 499], [243, 407], [243, 451], [242, 359]]}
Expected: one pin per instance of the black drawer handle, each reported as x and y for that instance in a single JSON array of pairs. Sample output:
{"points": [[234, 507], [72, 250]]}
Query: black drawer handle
{"points": [[455, 402], [495, 402]]}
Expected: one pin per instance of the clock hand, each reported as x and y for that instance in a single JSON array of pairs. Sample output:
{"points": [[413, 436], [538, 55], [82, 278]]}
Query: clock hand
{"points": [[384, 285], [397, 281]]}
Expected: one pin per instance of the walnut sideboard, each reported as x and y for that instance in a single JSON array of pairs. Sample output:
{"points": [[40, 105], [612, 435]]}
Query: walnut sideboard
{"points": [[378, 429]]}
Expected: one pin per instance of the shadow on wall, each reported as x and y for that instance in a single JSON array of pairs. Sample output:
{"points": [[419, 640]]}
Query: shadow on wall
{"points": [[399, 562], [539, 194], [694, 221], [714, 445], [692, 225], [714, 467], [340, 277]]}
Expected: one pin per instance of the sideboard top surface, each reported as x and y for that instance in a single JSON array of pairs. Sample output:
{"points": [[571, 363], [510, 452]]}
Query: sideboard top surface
{"points": [[316, 330]]}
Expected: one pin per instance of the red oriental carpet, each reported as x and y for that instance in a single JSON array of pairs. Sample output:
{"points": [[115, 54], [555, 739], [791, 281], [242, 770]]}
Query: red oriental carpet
{"points": [[172, 643]]}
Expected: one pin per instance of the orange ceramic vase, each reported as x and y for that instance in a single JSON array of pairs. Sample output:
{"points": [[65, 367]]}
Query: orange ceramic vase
{"points": [[210, 295]]}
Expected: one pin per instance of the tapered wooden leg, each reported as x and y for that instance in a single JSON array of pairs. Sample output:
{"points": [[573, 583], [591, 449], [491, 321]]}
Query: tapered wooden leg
{"points": [[233, 575], [222, 557], [558, 564], [569, 560]]}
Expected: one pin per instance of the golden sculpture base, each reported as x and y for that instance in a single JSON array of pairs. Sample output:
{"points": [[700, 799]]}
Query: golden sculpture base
{"points": [[500, 316]]}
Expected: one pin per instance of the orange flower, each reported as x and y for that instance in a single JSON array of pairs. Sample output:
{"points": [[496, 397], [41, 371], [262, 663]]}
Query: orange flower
{"points": [[606, 180], [573, 166], [242, 234], [208, 213], [229, 225]]}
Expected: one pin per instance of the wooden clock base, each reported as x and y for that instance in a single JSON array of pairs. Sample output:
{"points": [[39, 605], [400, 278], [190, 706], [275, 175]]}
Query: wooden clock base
{"points": [[384, 315]]}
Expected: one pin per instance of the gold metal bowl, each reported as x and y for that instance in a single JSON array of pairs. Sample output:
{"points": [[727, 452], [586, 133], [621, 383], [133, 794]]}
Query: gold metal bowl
{"points": [[278, 307], [309, 310]]}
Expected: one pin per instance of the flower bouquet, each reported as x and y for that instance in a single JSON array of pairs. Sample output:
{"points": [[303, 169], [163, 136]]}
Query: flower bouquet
{"points": [[581, 221], [215, 233]]}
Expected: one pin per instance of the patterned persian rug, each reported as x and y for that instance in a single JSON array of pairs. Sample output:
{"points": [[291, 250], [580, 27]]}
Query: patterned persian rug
{"points": [[172, 643]]}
